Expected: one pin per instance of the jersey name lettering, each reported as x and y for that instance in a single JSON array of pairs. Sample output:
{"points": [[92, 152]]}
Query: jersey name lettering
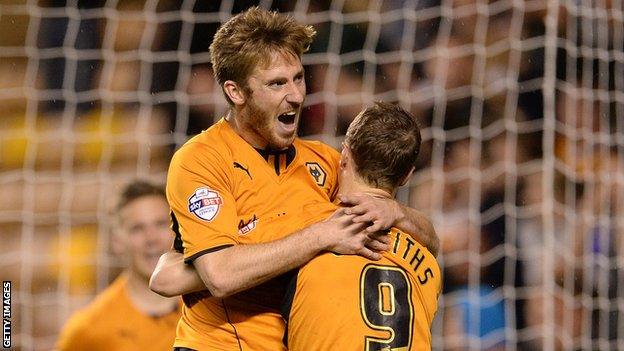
{"points": [[414, 257]]}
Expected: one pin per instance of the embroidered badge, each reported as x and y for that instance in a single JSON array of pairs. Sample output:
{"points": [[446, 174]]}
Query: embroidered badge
{"points": [[246, 227], [317, 173]]}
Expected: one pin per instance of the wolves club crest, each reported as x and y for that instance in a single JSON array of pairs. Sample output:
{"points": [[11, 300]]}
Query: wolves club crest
{"points": [[317, 173]]}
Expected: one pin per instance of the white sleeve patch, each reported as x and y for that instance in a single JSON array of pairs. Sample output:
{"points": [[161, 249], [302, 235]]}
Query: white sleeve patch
{"points": [[205, 203]]}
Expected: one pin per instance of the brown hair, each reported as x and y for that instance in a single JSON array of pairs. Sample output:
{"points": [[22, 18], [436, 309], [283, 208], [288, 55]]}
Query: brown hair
{"points": [[138, 189], [384, 140], [248, 39]]}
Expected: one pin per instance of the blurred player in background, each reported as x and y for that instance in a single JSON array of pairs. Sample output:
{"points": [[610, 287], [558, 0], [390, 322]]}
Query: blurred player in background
{"points": [[128, 315], [346, 302], [232, 188]]}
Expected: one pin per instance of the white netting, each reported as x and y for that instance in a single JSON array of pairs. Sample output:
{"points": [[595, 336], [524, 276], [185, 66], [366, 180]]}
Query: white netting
{"points": [[522, 171]]}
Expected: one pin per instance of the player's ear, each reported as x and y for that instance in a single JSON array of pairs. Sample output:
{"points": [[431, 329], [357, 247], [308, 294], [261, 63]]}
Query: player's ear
{"points": [[407, 176], [234, 92], [345, 156]]}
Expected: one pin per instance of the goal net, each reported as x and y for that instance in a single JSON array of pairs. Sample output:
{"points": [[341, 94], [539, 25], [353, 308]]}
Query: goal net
{"points": [[522, 165]]}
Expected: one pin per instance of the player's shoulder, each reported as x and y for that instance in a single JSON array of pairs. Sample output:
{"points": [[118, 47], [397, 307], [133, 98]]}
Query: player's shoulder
{"points": [[110, 298], [315, 147], [212, 143], [84, 327], [312, 151], [409, 240], [78, 333]]}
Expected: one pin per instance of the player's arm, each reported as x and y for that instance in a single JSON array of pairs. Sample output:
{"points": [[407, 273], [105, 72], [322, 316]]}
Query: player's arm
{"points": [[204, 219], [384, 213], [172, 277], [244, 266], [241, 267]]}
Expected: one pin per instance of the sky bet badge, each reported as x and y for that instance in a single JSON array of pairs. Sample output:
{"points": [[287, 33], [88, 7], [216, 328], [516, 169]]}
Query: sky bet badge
{"points": [[205, 204]]}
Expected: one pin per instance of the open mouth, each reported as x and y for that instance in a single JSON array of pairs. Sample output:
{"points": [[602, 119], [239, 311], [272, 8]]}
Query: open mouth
{"points": [[287, 118]]}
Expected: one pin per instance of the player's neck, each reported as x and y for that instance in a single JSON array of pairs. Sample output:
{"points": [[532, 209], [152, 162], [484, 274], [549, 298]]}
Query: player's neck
{"points": [[352, 186], [146, 300]]}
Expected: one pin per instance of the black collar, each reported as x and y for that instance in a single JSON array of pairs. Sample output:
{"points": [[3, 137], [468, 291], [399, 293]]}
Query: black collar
{"points": [[289, 153]]}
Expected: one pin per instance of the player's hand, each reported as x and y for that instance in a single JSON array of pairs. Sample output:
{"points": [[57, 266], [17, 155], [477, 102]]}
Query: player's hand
{"points": [[376, 212], [347, 237]]}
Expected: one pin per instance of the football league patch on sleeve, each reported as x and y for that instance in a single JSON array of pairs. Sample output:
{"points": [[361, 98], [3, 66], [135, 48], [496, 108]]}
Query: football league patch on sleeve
{"points": [[205, 203]]}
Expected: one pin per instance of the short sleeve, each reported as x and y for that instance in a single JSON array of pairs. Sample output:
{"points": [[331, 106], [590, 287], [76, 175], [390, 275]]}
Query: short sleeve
{"points": [[202, 205]]}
